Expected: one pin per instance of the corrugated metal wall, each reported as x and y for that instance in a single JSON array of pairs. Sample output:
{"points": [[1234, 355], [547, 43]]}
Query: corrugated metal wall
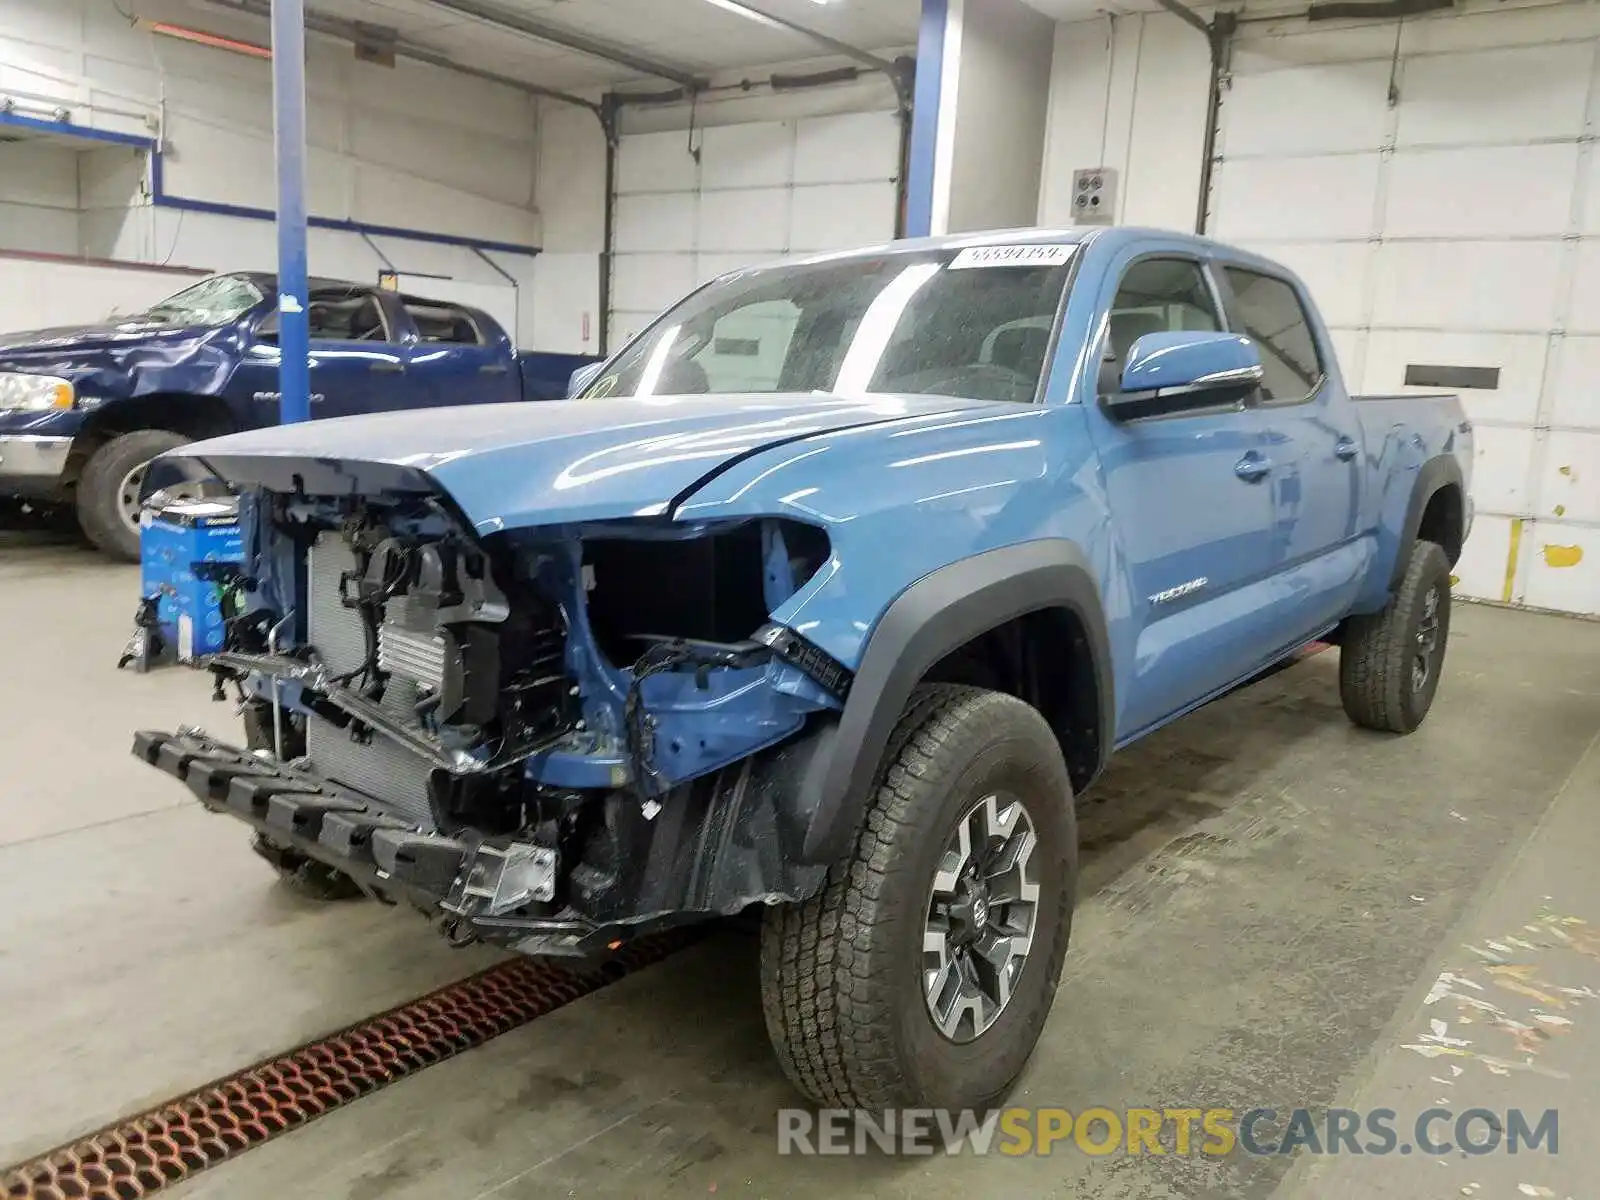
{"points": [[1435, 183]]}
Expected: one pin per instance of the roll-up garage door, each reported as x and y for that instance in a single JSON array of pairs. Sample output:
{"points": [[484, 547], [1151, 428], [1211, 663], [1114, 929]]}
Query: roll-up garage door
{"points": [[1435, 184], [690, 206]]}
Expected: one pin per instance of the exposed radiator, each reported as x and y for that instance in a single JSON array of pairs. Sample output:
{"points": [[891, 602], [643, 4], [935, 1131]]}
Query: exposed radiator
{"points": [[418, 657], [380, 768]]}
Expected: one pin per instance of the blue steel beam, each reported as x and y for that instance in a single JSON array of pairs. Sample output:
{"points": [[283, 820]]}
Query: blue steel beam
{"points": [[925, 104], [289, 133]]}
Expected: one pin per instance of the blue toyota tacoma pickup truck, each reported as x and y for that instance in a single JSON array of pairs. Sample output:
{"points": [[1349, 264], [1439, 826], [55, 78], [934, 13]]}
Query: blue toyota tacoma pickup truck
{"points": [[824, 597], [83, 410]]}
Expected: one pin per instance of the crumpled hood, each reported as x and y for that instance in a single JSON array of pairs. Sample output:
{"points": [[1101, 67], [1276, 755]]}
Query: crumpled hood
{"points": [[65, 340], [508, 466]]}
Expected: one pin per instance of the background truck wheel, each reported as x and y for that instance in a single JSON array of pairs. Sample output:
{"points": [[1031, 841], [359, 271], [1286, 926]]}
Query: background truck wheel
{"points": [[1390, 662], [922, 974], [108, 489]]}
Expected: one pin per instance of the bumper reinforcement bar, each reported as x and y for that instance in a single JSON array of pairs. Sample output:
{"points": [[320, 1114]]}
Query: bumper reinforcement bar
{"points": [[394, 860]]}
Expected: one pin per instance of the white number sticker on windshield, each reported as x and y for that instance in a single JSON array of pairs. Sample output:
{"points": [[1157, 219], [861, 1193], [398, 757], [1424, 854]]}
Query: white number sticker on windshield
{"points": [[1053, 254]]}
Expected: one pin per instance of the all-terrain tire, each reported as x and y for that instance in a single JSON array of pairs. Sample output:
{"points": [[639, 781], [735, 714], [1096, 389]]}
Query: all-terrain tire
{"points": [[842, 974], [100, 502], [1390, 661]]}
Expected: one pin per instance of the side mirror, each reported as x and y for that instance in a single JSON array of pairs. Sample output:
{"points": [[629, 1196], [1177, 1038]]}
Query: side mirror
{"points": [[582, 378], [1169, 372]]}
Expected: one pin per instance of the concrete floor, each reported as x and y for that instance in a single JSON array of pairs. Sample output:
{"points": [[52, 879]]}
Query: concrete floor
{"points": [[1269, 898]]}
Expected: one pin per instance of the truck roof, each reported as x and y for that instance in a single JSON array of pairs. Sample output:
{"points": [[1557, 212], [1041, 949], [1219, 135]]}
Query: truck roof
{"points": [[1110, 237], [1066, 235]]}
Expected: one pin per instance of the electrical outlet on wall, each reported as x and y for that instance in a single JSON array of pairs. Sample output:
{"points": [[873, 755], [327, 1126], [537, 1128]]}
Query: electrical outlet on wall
{"points": [[1094, 196]]}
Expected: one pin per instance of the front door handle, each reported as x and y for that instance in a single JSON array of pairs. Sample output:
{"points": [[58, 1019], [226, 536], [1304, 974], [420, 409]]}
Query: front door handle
{"points": [[387, 365], [1346, 448], [493, 369], [1252, 468]]}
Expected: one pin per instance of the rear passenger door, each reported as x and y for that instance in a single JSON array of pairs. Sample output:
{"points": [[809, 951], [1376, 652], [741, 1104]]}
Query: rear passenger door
{"points": [[1313, 446], [457, 359], [1192, 518]]}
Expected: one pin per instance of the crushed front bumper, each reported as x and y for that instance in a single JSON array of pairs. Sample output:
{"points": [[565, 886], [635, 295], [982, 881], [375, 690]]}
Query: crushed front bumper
{"points": [[443, 876]]}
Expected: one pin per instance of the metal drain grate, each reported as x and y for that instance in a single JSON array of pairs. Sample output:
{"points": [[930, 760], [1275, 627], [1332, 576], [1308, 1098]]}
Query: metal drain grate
{"points": [[143, 1154]]}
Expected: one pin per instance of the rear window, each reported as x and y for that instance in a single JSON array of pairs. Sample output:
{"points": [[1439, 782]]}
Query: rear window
{"points": [[444, 323], [972, 323], [1275, 320]]}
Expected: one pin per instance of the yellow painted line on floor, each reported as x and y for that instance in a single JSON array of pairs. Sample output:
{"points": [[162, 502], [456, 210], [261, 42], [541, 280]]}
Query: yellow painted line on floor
{"points": [[1506, 592]]}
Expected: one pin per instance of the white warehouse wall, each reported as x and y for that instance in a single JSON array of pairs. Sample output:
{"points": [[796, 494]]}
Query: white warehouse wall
{"points": [[1000, 91], [570, 195], [1128, 93], [38, 198], [742, 178], [76, 293], [410, 146], [1435, 183]]}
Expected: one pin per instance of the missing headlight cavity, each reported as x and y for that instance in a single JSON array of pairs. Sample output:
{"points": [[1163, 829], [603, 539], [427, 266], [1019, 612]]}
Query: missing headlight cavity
{"points": [[717, 587]]}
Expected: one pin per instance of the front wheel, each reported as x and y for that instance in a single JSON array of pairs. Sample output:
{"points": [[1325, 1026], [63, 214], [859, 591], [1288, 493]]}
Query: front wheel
{"points": [[108, 489], [1389, 662], [922, 974]]}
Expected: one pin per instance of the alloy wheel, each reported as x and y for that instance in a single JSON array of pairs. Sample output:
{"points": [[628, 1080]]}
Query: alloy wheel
{"points": [[1426, 645], [982, 910]]}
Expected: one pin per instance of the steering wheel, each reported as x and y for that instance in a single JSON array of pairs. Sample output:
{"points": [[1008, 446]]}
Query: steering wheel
{"points": [[978, 381]]}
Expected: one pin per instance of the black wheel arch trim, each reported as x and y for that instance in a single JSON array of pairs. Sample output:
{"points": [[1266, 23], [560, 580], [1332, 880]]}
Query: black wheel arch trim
{"points": [[933, 617], [1433, 476]]}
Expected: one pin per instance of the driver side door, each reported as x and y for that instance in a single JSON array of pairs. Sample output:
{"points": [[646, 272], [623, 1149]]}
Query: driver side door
{"points": [[1191, 510]]}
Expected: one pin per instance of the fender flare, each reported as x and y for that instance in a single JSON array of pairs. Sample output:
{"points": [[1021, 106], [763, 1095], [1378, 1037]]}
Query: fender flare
{"points": [[1433, 476], [934, 616]]}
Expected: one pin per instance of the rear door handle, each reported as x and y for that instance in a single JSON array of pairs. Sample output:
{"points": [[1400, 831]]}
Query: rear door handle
{"points": [[493, 369], [386, 365], [1346, 448], [1252, 468]]}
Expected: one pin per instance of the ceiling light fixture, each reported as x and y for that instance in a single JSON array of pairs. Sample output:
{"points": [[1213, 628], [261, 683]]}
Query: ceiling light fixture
{"points": [[734, 6], [758, 17]]}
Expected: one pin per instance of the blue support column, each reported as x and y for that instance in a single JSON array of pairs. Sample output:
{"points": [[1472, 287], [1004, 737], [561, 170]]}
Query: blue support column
{"points": [[925, 117], [289, 127]]}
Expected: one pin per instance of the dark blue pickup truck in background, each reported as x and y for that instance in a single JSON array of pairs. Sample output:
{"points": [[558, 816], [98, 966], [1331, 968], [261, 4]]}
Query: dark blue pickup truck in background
{"points": [[83, 410]]}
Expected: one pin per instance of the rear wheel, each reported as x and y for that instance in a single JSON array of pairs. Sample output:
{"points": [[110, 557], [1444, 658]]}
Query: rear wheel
{"points": [[1390, 662], [922, 974], [108, 490]]}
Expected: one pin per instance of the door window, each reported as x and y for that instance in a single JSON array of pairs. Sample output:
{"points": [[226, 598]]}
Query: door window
{"points": [[1156, 295], [444, 323], [1160, 295], [336, 315], [1272, 316]]}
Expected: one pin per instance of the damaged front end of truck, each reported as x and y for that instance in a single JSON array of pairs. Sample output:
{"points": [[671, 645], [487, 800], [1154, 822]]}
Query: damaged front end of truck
{"points": [[551, 737]]}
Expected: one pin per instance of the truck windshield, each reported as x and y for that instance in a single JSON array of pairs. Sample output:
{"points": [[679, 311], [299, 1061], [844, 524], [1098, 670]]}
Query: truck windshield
{"points": [[973, 322], [213, 301]]}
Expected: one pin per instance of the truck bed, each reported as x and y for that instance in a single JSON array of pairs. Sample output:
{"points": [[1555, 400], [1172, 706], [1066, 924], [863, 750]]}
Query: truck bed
{"points": [[1400, 433]]}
